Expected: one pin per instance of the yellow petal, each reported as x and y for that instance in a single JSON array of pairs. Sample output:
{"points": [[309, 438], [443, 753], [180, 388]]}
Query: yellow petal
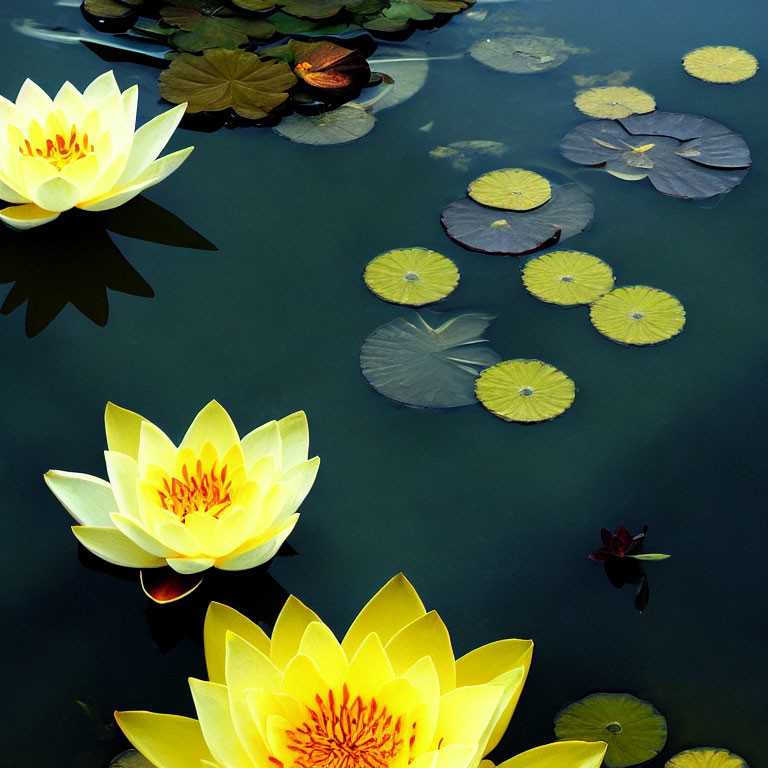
{"points": [[303, 681], [103, 86], [130, 103], [369, 669], [260, 553], [394, 606], [123, 430], [178, 538], [219, 620], [212, 706], [301, 478], [115, 547], [290, 626], [452, 756], [141, 537], [123, 475], [33, 101], [8, 191], [167, 741], [88, 499], [248, 667], [561, 754], [485, 664], [467, 715], [320, 644], [26, 216], [190, 565], [228, 534], [82, 174], [56, 194], [262, 442], [70, 102], [427, 636], [212, 425], [155, 447], [294, 436], [32, 172], [423, 677]]}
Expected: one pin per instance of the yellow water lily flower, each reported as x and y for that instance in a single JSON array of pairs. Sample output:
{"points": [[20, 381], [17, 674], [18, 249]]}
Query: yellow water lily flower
{"points": [[560, 754], [79, 150], [215, 501], [389, 695]]}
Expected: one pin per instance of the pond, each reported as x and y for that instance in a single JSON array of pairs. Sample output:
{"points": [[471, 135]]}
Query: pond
{"points": [[492, 522]]}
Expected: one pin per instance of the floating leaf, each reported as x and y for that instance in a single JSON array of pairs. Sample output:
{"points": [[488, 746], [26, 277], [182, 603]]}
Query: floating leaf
{"points": [[706, 757], [512, 189], [254, 5], [568, 212], [681, 155], [525, 390], [720, 64], [633, 729], [130, 759], [202, 28], [312, 9], [651, 556], [567, 278], [521, 54], [428, 360], [225, 79], [111, 9], [324, 65], [407, 67], [638, 315], [461, 153], [339, 126], [616, 78], [614, 102], [413, 276]]}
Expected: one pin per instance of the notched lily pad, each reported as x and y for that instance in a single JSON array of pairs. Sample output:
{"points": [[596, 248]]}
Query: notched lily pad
{"points": [[338, 126], [634, 730], [428, 359], [227, 79], [512, 233], [522, 54], [681, 155]]}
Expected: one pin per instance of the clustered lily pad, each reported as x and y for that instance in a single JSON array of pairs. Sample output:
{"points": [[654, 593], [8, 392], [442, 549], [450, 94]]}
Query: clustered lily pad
{"points": [[339, 126], [706, 757], [567, 278], [512, 189], [681, 155], [522, 54], [614, 102], [720, 64]]}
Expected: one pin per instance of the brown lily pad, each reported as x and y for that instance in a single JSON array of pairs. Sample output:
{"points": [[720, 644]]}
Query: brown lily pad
{"points": [[227, 79], [312, 9]]}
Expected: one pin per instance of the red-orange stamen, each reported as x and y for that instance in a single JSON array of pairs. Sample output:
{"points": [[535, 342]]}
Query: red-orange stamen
{"points": [[196, 491], [59, 151]]}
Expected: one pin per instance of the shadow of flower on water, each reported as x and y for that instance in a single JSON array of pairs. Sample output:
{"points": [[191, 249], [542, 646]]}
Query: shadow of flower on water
{"points": [[74, 260]]}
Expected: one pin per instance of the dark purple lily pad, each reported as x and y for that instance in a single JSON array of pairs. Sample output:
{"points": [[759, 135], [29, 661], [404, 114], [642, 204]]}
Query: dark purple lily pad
{"points": [[682, 155], [512, 233]]}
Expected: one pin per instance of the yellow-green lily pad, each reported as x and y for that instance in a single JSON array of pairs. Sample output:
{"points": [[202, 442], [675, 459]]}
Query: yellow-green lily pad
{"points": [[706, 757], [227, 79], [634, 730]]}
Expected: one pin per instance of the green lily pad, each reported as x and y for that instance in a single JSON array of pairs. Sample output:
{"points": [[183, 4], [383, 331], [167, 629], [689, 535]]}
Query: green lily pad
{"points": [[428, 359], [201, 29], [286, 24], [130, 759], [461, 153], [706, 757], [522, 54], [254, 5], [634, 730], [339, 126], [312, 9], [227, 79], [112, 9]]}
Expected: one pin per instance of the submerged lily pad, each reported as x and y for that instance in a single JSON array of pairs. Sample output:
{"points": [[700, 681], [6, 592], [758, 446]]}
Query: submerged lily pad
{"points": [[130, 759], [227, 79], [339, 126], [706, 757], [526, 391], [614, 102], [512, 189], [429, 359], [634, 730], [568, 212], [567, 278], [615, 78], [413, 276], [407, 67], [720, 64], [522, 54], [461, 153], [681, 155], [638, 315]]}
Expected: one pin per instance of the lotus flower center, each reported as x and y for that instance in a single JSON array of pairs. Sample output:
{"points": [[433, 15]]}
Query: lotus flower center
{"points": [[196, 491], [637, 315], [60, 150], [350, 733], [412, 277]]}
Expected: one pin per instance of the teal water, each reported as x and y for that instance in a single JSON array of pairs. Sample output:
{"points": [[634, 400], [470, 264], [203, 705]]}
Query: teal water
{"points": [[492, 522]]}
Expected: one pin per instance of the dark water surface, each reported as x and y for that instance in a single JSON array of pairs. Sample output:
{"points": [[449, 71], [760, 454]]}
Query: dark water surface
{"points": [[491, 521]]}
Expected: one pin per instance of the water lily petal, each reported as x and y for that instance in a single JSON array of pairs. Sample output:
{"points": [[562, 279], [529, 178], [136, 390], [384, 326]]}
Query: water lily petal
{"points": [[248, 667], [167, 741], [451, 756], [190, 565], [82, 173], [321, 645], [290, 626], [394, 606], [179, 538], [301, 477], [219, 620], [9, 194], [369, 669], [71, 103], [303, 681], [212, 706], [115, 547], [149, 141], [423, 677], [261, 442], [153, 174], [259, 554], [212, 425], [467, 715], [103, 86], [130, 104], [123, 430], [560, 754], [485, 664], [88, 499], [427, 636], [228, 534], [123, 475], [33, 101], [33, 171], [294, 436], [10, 113], [26, 216], [155, 447], [164, 585], [57, 194], [140, 537]]}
